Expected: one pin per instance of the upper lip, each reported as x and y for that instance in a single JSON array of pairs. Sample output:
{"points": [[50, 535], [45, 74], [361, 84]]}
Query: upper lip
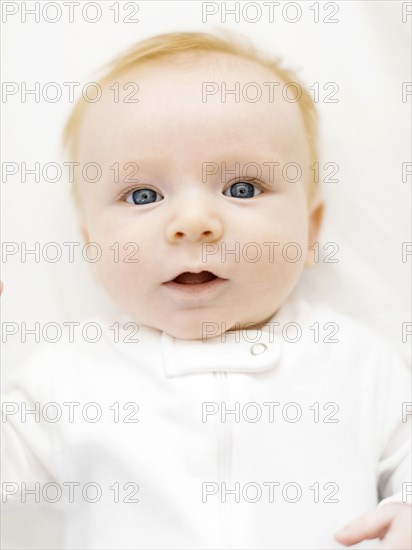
{"points": [[193, 270]]}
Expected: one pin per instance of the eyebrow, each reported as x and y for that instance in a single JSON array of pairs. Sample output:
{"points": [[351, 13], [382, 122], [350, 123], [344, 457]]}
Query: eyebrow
{"points": [[260, 166], [222, 159]]}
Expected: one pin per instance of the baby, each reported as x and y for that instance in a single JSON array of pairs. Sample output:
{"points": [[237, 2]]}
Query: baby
{"points": [[217, 410]]}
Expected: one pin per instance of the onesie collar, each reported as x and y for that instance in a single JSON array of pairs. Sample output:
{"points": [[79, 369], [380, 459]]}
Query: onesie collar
{"points": [[241, 351], [238, 351]]}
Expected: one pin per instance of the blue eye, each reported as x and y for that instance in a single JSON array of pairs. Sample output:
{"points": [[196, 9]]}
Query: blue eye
{"points": [[243, 190], [142, 196]]}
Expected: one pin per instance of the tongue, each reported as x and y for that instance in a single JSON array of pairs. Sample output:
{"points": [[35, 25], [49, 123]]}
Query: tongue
{"points": [[187, 278]]}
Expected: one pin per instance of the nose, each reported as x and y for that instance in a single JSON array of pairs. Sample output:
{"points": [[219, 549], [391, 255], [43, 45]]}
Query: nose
{"points": [[194, 223]]}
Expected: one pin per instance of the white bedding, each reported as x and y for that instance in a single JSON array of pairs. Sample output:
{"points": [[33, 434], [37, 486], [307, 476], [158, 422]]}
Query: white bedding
{"points": [[367, 133]]}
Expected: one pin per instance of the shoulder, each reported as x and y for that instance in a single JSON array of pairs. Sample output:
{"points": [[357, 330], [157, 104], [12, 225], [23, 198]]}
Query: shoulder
{"points": [[345, 340], [352, 331], [91, 351], [70, 349]]}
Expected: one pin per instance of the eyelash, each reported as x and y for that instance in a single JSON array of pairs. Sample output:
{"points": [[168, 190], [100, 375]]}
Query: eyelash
{"points": [[259, 184], [124, 194]]}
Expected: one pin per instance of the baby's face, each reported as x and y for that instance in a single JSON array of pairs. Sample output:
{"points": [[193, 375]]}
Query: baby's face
{"points": [[169, 200]]}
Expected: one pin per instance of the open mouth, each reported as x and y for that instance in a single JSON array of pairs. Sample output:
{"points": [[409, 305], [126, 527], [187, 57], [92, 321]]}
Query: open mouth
{"points": [[186, 285], [188, 278]]}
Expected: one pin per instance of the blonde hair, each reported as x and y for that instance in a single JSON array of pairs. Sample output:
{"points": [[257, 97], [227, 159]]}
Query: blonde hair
{"points": [[167, 45]]}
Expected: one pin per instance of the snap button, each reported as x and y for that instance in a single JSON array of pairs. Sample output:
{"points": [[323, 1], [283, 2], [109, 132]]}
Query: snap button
{"points": [[257, 349]]}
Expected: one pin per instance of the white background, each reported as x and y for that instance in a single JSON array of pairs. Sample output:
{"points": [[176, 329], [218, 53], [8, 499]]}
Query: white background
{"points": [[367, 133]]}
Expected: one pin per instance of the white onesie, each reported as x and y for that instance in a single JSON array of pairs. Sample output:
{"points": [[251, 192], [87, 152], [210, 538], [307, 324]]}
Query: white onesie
{"points": [[254, 439]]}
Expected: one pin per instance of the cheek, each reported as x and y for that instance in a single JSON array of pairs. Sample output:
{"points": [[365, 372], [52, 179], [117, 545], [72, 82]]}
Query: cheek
{"points": [[273, 247], [126, 259], [283, 224], [126, 281]]}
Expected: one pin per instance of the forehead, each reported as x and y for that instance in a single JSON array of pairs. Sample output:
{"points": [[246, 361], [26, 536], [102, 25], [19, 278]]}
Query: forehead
{"points": [[190, 106]]}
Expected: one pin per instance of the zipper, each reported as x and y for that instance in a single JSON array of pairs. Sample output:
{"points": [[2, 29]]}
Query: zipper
{"points": [[224, 435], [224, 430]]}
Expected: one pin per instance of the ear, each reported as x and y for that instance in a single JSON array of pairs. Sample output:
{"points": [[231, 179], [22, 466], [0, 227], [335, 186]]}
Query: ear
{"points": [[92, 267], [316, 210], [84, 233]]}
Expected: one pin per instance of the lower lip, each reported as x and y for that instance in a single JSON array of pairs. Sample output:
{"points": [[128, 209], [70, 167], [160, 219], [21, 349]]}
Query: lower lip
{"points": [[195, 289]]}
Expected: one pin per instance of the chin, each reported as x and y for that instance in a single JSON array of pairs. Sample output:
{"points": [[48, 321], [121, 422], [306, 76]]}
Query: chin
{"points": [[192, 333], [191, 328]]}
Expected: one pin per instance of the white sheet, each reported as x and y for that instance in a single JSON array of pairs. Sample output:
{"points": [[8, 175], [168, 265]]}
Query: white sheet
{"points": [[367, 133]]}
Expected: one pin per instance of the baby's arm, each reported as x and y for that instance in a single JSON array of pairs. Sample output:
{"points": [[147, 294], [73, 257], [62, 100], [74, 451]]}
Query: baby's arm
{"points": [[392, 520], [28, 456], [28, 441]]}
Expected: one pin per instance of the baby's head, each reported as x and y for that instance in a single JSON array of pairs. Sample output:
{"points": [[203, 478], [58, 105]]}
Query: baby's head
{"points": [[198, 179]]}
